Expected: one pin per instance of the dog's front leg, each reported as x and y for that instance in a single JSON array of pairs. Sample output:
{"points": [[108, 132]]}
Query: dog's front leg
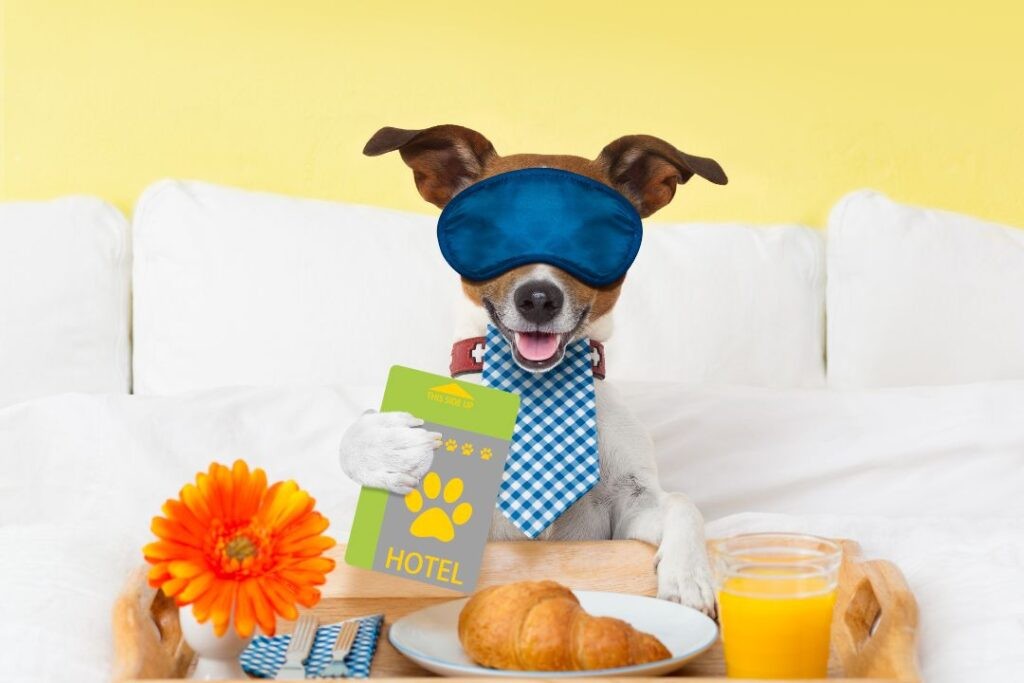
{"points": [[388, 451], [674, 524]]}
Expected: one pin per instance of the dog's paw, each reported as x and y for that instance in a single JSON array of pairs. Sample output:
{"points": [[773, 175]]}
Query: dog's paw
{"points": [[388, 451], [688, 582]]}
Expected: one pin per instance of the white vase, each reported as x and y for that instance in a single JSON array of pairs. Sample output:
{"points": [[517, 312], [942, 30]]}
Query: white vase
{"points": [[216, 656]]}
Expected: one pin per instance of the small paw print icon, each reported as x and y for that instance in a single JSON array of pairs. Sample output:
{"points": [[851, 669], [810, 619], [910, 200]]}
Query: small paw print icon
{"points": [[485, 453], [435, 521], [451, 444], [467, 449]]}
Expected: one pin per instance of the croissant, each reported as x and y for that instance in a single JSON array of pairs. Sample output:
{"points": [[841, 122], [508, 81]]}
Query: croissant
{"points": [[540, 626]]}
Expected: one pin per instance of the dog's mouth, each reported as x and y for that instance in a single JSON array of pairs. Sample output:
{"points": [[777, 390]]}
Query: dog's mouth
{"points": [[535, 350], [538, 349]]}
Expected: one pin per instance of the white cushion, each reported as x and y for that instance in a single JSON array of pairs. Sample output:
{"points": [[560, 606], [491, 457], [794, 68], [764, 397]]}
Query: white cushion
{"points": [[723, 304], [919, 296], [64, 298], [243, 288], [952, 450], [59, 582]]}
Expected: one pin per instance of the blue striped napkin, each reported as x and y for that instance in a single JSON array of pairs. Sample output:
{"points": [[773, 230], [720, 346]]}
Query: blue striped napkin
{"points": [[265, 654]]}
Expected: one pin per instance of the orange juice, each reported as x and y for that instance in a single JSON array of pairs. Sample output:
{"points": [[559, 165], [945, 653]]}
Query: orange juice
{"points": [[776, 628], [776, 593]]}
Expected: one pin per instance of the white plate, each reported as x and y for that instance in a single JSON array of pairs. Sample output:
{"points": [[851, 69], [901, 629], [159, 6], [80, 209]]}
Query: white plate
{"points": [[430, 636]]}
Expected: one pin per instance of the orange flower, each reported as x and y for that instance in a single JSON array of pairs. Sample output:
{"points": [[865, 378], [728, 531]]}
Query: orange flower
{"points": [[230, 544]]}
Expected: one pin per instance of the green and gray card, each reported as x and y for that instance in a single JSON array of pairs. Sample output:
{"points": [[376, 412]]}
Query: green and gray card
{"points": [[436, 533]]}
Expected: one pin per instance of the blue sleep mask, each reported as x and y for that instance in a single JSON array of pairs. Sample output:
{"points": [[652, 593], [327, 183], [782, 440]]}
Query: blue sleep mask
{"points": [[540, 215]]}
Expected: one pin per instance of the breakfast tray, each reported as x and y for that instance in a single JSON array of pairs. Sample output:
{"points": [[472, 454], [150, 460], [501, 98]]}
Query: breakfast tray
{"points": [[874, 629]]}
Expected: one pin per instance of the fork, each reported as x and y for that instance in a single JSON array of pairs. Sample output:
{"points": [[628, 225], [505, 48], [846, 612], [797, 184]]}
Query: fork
{"points": [[298, 649], [342, 646]]}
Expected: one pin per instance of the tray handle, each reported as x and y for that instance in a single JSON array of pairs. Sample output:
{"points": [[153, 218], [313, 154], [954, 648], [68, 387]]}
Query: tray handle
{"points": [[147, 634], [874, 631]]}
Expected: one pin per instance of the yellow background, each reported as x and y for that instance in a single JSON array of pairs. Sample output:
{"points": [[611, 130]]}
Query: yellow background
{"points": [[800, 101]]}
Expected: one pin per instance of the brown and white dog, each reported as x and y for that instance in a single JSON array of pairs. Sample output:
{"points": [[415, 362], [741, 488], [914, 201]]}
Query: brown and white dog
{"points": [[539, 309]]}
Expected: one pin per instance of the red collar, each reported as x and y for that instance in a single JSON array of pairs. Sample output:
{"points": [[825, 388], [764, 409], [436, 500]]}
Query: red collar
{"points": [[468, 356]]}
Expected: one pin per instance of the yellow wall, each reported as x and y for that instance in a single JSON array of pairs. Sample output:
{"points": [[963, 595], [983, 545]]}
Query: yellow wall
{"points": [[800, 101]]}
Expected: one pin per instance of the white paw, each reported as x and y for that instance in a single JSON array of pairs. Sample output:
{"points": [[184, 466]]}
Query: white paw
{"points": [[388, 451], [686, 579]]}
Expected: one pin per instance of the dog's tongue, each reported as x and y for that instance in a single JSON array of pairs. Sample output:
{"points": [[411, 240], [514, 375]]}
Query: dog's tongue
{"points": [[537, 345]]}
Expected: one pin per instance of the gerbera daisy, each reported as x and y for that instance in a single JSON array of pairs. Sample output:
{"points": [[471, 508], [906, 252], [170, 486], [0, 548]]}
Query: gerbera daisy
{"points": [[230, 544]]}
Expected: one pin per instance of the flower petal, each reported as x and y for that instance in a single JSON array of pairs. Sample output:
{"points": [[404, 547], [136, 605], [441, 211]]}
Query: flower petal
{"points": [[308, 596], [300, 578], [168, 550], [172, 531], [220, 612], [257, 489], [197, 587], [281, 598], [183, 569], [204, 603], [312, 524], [261, 605], [207, 490], [245, 612], [195, 500], [158, 574], [178, 511], [283, 502], [306, 547], [323, 565], [172, 587]]}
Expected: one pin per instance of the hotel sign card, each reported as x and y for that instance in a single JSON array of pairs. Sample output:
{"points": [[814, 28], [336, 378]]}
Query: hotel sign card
{"points": [[436, 533]]}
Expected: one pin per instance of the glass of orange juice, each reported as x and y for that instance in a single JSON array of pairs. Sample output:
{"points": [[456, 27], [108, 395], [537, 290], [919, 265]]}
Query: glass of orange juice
{"points": [[775, 598]]}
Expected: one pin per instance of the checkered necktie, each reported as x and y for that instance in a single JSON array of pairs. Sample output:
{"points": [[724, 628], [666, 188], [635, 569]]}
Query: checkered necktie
{"points": [[553, 458]]}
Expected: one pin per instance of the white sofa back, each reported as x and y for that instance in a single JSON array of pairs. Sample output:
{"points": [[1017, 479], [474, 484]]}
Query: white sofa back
{"points": [[245, 288], [723, 304], [65, 296], [919, 296]]}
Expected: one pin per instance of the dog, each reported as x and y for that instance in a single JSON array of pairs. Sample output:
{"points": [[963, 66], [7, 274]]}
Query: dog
{"points": [[539, 308]]}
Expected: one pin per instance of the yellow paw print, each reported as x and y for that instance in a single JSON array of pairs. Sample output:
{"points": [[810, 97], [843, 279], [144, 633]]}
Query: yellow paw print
{"points": [[451, 444], [435, 522], [485, 453], [467, 449]]}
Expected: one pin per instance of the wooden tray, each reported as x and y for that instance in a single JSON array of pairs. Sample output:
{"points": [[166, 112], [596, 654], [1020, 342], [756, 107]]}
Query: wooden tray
{"points": [[874, 630]]}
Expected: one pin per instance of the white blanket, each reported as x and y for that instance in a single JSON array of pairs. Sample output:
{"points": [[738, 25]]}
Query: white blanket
{"points": [[965, 573], [927, 477]]}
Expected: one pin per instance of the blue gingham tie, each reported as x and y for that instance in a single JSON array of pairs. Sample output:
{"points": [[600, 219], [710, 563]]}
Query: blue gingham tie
{"points": [[553, 458]]}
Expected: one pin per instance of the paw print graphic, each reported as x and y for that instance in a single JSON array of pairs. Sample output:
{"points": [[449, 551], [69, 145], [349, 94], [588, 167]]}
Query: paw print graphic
{"points": [[435, 521], [485, 453], [451, 444], [467, 449]]}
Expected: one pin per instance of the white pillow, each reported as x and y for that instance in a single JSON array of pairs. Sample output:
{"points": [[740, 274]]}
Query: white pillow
{"points": [[235, 287], [59, 584], [934, 451], [64, 298], [919, 296], [244, 288], [723, 304]]}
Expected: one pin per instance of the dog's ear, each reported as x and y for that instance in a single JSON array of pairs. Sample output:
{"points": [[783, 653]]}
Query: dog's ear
{"points": [[444, 159], [646, 170]]}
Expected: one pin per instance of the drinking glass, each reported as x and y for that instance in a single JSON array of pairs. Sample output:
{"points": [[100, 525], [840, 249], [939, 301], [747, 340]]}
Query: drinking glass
{"points": [[776, 593]]}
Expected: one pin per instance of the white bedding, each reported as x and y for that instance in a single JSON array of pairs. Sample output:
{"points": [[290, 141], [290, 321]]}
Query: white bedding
{"points": [[965, 573], [236, 287], [65, 298], [927, 477]]}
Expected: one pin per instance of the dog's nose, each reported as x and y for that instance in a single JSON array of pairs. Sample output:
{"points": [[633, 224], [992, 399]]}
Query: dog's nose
{"points": [[539, 301]]}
